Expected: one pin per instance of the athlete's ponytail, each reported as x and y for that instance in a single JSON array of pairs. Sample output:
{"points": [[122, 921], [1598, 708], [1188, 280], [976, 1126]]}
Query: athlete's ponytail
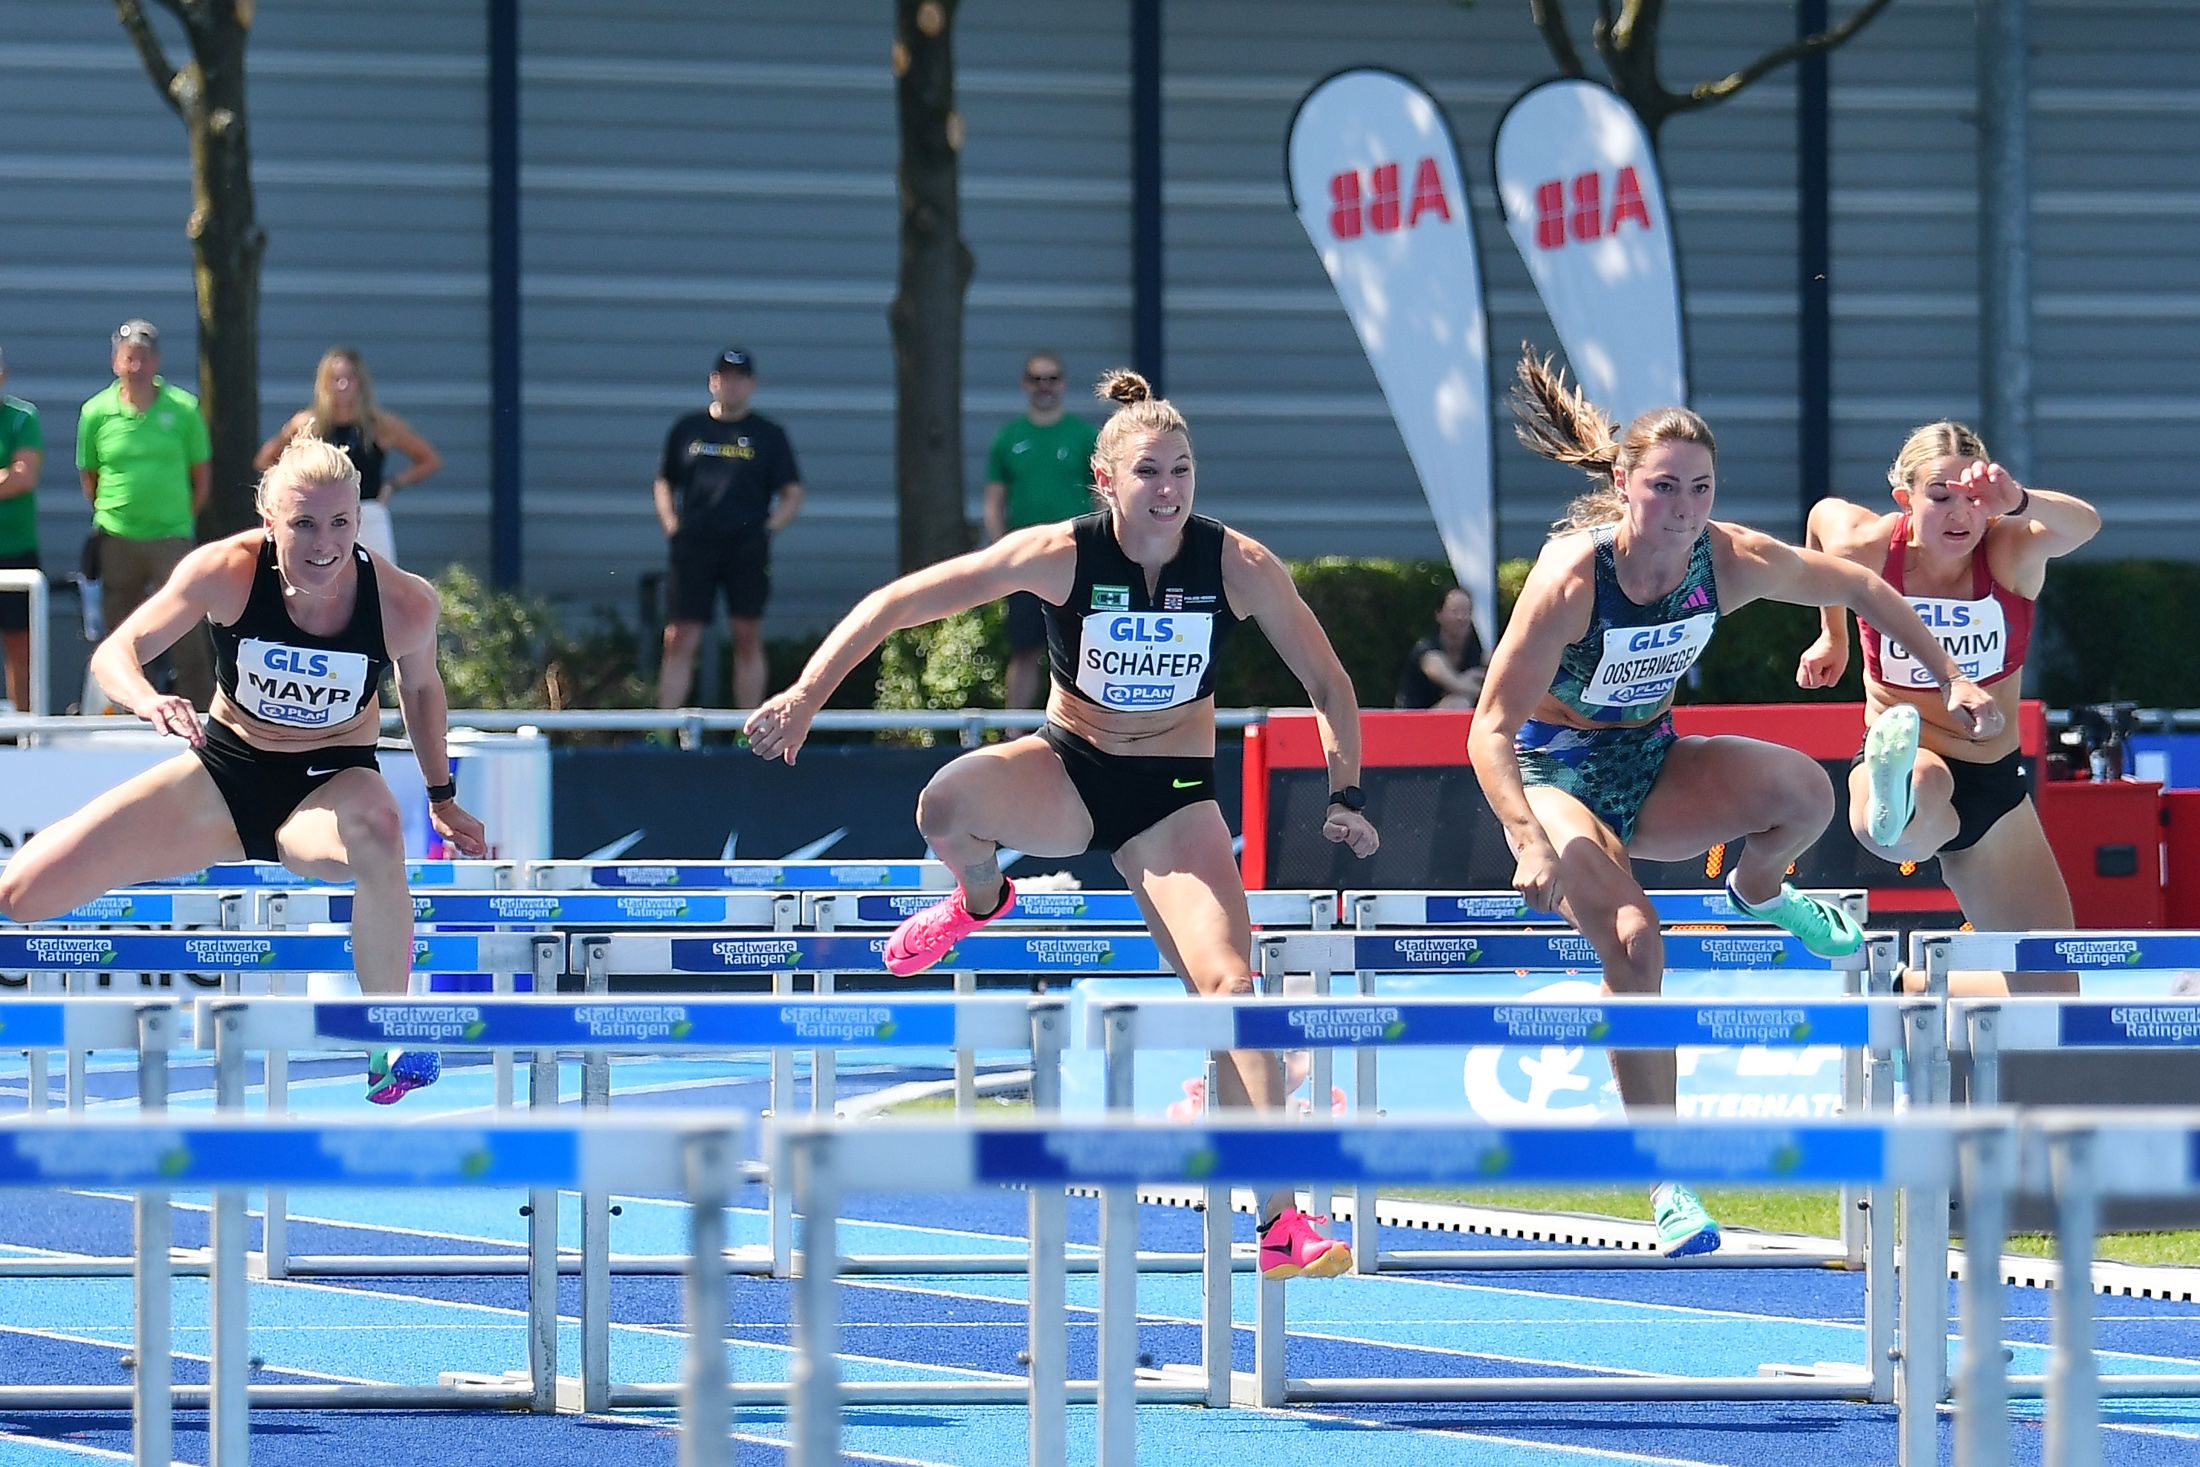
{"points": [[1558, 422]]}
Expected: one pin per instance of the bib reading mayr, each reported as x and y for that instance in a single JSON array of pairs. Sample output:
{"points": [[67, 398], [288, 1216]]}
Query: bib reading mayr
{"points": [[302, 687]]}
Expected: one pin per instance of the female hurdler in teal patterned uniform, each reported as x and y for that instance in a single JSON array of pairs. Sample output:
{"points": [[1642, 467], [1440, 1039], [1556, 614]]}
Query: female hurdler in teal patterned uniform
{"points": [[1573, 742]]}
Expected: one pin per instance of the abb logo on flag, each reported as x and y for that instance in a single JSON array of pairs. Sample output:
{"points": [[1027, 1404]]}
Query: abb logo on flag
{"points": [[1377, 206], [1576, 210]]}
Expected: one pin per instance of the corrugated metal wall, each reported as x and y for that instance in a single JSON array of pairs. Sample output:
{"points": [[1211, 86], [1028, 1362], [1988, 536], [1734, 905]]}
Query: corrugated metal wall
{"points": [[699, 175]]}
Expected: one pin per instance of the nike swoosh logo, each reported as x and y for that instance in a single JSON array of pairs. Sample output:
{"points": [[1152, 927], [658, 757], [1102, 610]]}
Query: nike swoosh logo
{"points": [[312, 773], [1186, 784]]}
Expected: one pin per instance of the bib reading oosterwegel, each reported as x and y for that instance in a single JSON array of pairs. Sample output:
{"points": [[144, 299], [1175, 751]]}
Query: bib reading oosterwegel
{"points": [[278, 673], [1625, 668], [1116, 645]]}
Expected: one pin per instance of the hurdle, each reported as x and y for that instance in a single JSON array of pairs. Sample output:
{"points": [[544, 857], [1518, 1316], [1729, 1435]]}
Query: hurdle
{"points": [[828, 1162], [157, 908], [737, 875], [245, 875], [1124, 1027], [2080, 1158], [151, 1028], [1684, 905], [660, 1153], [547, 1027], [1363, 955], [832, 911]]}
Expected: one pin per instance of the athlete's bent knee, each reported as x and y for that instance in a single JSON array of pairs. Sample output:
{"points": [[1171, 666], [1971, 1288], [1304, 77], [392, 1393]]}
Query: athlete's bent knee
{"points": [[1230, 982], [373, 836]]}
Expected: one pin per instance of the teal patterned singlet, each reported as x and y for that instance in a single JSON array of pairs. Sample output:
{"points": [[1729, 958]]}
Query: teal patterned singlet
{"points": [[1625, 667]]}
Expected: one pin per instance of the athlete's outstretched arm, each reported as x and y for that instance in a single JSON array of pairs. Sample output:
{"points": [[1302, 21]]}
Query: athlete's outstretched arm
{"points": [[208, 580], [1834, 526], [1762, 568], [410, 608], [1042, 559], [1260, 589], [1553, 610]]}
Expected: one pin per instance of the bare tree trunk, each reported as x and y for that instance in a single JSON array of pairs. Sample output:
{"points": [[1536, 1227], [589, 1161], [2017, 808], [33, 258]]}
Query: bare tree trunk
{"points": [[927, 314], [226, 239]]}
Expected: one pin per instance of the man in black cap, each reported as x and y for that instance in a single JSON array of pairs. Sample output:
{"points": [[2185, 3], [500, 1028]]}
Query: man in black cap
{"points": [[726, 485]]}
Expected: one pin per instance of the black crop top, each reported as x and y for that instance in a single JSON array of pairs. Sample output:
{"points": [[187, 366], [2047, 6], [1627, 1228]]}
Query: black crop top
{"points": [[1115, 646], [278, 673]]}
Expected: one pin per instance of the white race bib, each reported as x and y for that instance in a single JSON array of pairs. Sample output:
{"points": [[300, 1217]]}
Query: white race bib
{"points": [[1642, 664], [304, 687], [1976, 634], [1135, 660]]}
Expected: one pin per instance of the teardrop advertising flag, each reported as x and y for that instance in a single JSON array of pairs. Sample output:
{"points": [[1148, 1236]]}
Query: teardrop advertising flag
{"points": [[1375, 179], [1586, 209]]}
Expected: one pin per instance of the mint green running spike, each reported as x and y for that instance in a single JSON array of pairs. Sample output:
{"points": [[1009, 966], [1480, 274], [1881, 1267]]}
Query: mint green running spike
{"points": [[1684, 1228], [1824, 928]]}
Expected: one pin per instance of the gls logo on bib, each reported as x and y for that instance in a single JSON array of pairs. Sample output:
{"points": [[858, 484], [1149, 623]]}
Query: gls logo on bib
{"points": [[1976, 634], [301, 686], [1144, 661], [1641, 664]]}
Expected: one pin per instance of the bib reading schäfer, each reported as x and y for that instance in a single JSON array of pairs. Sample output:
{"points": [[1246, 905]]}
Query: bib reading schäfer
{"points": [[1144, 660]]}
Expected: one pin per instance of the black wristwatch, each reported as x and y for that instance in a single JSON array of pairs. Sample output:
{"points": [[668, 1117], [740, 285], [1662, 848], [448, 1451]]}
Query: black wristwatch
{"points": [[1350, 797], [444, 793]]}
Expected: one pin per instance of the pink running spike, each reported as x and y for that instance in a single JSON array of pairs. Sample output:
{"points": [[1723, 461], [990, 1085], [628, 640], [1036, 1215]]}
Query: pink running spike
{"points": [[1290, 1248], [925, 937]]}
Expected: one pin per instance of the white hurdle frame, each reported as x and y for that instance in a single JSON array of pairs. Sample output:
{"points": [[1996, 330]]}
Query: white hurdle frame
{"points": [[781, 957], [1125, 1026], [1366, 954], [1117, 1154], [666, 1152], [547, 1027], [834, 911]]}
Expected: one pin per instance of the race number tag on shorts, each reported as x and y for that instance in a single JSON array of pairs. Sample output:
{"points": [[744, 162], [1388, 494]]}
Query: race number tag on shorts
{"points": [[304, 687], [1976, 634], [1640, 665], [1144, 660]]}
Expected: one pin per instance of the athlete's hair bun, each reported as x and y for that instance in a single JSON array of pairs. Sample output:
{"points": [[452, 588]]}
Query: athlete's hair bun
{"points": [[1124, 386]]}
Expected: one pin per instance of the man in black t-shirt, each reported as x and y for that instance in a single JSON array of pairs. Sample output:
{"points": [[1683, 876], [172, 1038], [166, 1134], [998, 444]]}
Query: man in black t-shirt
{"points": [[1445, 671], [726, 485]]}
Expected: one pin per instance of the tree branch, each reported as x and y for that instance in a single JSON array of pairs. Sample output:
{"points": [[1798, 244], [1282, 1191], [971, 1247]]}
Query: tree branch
{"points": [[1552, 24], [165, 76], [1704, 93]]}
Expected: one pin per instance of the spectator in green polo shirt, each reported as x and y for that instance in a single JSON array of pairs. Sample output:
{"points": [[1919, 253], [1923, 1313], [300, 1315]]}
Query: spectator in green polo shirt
{"points": [[1039, 471], [142, 452], [22, 455]]}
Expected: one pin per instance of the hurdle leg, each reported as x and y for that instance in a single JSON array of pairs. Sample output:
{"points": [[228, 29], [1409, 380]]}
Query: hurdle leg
{"points": [[1047, 1331], [1118, 1381], [1215, 1324], [814, 1373], [2073, 1382], [779, 1196], [74, 1062], [596, 1231], [543, 1204], [825, 1063], [1880, 1354], [152, 1428], [275, 1201], [1982, 1392], [706, 1397], [1367, 1229], [966, 1060], [229, 1428], [37, 1097]]}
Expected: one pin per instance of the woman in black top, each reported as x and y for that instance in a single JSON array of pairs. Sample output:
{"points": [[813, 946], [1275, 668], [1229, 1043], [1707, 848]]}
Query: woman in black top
{"points": [[1138, 599], [305, 625], [345, 414], [1446, 670]]}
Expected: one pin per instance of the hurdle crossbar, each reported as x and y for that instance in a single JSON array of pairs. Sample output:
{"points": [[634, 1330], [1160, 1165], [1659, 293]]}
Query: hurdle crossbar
{"points": [[250, 874], [1713, 906], [740, 875], [155, 1157], [829, 1162]]}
